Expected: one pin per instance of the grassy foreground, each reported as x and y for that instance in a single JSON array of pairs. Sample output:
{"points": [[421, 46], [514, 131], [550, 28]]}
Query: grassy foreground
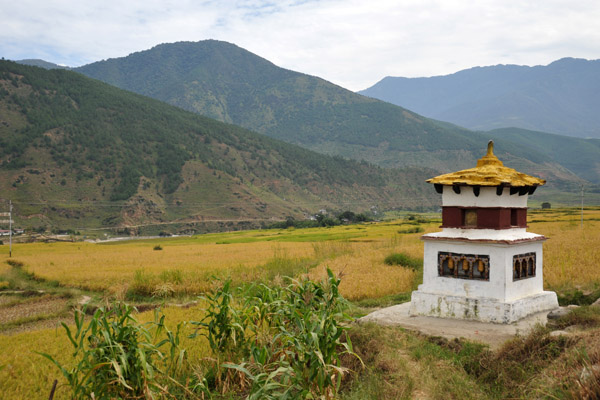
{"points": [[399, 364]]}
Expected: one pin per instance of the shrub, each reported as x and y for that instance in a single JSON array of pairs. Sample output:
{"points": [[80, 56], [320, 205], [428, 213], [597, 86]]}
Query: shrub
{"points": [[415, 219], [416, 229], [157, 247], [281, 265], [14, 263], [404, 260], [576, 296]]}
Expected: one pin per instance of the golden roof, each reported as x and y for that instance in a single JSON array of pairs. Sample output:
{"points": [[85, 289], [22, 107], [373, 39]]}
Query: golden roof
{"points": [[489, 172]]}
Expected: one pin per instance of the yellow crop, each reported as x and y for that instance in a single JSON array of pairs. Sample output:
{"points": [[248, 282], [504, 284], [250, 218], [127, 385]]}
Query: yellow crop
{"points": [[356, 253]]}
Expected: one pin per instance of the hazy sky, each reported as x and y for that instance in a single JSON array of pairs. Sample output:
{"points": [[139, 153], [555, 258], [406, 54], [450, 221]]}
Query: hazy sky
{"points": [[353, 43]]}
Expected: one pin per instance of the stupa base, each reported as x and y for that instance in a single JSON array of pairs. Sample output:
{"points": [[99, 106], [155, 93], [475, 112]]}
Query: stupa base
{"points": [[480, 309]]}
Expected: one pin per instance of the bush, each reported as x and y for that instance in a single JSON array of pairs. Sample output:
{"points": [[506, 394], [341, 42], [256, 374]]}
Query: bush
{"points": [[404, 260], [577, 297], [415, 229], [415, 219], [14, 263]]}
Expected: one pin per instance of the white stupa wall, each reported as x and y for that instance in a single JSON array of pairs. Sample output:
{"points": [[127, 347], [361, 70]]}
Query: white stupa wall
{"points": [[500, 286], [501, 299], [487, 198]]}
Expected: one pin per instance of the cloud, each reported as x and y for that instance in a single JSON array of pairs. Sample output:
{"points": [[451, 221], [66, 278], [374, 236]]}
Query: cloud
{"points": [[353, 43]]}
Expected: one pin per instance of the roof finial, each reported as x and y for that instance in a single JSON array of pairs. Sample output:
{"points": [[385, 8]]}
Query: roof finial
{"points": [[490, 150]]}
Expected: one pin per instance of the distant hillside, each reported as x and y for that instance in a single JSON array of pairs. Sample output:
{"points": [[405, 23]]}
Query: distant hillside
{"points": [[223, 81], [75, 152], [562, 97], [575, 154], [36, 62]]}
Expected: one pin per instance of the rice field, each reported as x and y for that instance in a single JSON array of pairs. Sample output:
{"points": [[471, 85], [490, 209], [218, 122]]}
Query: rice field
{"points": [[188, 266], [101, 267], [571, 254]]}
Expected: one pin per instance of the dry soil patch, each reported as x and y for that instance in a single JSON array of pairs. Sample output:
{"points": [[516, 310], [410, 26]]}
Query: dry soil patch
{"points": [[45, 306]]}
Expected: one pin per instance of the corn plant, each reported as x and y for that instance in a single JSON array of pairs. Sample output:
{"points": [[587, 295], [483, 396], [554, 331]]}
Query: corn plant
{"points": [[280, 342], [310, 329], [224, 327], [118, 357]]}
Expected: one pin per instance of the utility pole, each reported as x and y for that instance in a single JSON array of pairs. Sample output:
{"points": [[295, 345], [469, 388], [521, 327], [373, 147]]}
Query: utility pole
{"points": [[581, 206], [10, 229], [9, 222]]}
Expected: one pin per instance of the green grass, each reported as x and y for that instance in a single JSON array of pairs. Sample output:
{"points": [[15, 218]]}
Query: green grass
{"points": [[385, 301]]}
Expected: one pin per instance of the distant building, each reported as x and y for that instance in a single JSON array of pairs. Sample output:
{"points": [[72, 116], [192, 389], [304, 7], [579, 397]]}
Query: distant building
{"points": [[6, 232]]}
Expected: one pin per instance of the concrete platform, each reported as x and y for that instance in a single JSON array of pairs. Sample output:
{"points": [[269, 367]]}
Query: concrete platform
{"points": [[485, 332]]}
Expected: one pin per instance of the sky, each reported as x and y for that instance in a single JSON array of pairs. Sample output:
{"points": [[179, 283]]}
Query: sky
{"points": [[353, 43]]}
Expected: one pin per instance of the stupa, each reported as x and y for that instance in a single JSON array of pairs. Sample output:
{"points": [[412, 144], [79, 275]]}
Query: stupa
{"points": [[483, 265]]}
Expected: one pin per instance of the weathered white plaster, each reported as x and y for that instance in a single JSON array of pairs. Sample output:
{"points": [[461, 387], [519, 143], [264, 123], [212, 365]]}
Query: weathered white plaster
{"points": [[499, 299], [487, 198], [480, 308], [500, 285], [510, 235]]}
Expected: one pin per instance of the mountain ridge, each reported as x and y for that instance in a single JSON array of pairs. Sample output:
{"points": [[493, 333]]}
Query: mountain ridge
{"points": [[561, 97], [224, 81]]}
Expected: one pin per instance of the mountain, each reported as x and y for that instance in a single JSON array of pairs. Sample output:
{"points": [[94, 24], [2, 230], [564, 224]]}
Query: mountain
{"points": [[562, 97], [574, 153], [78, 153], [36, 62], [223, 81]]}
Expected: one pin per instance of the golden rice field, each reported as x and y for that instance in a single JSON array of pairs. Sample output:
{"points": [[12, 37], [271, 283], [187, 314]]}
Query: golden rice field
{"points": [[572, 252], [356, 253], [102, 267]]}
